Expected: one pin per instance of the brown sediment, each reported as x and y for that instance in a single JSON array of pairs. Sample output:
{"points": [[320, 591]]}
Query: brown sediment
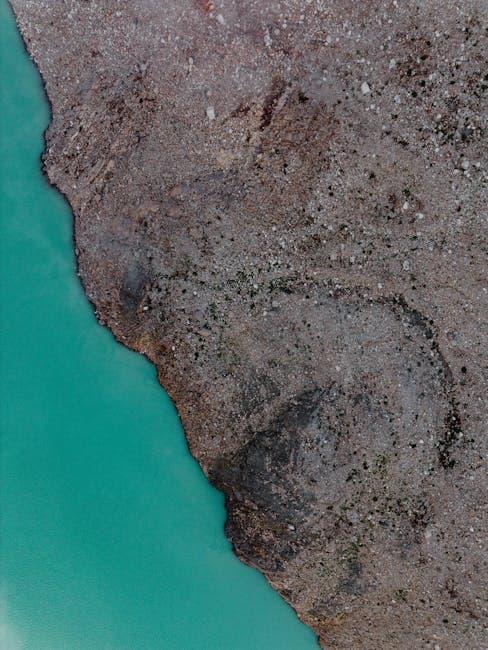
{"points": [[280, 205]]}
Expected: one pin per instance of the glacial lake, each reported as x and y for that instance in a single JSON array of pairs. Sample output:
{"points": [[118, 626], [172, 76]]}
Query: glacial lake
{"points": [[111, 537]]}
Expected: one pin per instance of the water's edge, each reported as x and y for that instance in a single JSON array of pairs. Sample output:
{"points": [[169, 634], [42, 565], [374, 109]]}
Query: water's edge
{"points": [[93, 306]]}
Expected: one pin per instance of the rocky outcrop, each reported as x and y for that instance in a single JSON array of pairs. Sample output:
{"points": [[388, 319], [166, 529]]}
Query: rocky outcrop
{"points": [[280, 204]]}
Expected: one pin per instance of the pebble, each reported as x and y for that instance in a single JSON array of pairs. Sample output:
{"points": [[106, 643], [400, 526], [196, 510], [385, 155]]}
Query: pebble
{"points": [[365, 89], [211, 113]]}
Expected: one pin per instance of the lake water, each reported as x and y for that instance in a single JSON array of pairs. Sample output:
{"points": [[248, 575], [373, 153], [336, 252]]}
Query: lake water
{"points": [[111, 537]]}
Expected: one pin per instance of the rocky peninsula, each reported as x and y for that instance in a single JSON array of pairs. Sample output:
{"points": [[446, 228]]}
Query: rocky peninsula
{"points": [[282, 204]]}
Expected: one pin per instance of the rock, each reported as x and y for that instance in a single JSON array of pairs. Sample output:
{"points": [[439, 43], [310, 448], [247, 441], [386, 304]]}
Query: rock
{"points": [[365, 89]]}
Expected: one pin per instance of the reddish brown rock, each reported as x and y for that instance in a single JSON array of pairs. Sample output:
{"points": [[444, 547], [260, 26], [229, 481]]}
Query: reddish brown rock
{"points": [[280, 204]]}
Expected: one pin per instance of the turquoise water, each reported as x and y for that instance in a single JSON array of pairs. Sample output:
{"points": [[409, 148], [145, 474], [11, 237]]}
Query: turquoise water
{"points": [[111, 537]]}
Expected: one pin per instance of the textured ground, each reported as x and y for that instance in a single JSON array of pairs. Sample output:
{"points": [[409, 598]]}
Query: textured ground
{"points": [[281, 204]]}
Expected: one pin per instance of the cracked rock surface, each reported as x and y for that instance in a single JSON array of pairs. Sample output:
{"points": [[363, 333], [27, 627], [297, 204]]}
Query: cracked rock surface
{"points": [[282, 204]]}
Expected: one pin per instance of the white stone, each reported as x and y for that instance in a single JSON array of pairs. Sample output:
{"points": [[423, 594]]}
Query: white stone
{"points": [[211, 113], [365, 89]]}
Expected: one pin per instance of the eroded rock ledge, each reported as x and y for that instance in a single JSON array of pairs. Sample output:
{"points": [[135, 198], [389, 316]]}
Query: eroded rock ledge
{"points": [[280, 204]]}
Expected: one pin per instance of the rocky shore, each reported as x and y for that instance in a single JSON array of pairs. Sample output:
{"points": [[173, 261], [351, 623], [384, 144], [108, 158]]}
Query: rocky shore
{"points": [[283, 205]]}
